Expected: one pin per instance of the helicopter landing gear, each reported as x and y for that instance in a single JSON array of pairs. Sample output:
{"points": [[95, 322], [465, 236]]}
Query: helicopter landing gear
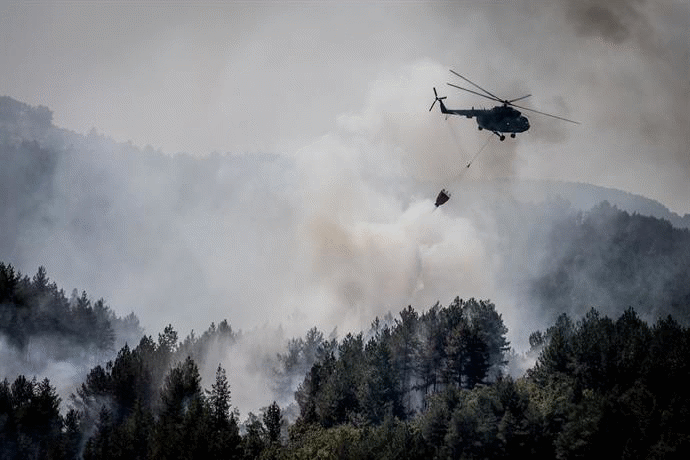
{"points": [[500, 136], [479, 128], [512, 135]]}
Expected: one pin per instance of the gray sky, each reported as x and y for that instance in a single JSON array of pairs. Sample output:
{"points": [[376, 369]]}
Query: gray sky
{"points": [[274, 76]]}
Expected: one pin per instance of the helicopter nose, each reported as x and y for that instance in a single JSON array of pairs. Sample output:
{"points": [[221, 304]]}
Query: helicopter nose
{"points": [[524, 123]]}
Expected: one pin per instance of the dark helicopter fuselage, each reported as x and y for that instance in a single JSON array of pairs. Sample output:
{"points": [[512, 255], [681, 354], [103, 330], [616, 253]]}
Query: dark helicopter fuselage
{"points": [[500, 119]]}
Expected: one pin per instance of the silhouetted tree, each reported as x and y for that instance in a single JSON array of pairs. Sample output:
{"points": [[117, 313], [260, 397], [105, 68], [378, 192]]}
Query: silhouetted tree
{"points": [[404, 346], [72, 435], [100, 445], [181, 392], [273, 423], [378, 391], [432, 353], [225, 439], [253, 441]]}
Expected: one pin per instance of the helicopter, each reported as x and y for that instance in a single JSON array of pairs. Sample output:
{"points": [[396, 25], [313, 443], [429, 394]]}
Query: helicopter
{"points": [[500, 119]]}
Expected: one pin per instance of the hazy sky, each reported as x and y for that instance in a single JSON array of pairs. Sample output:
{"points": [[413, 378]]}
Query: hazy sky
{"points": [[275, 76]]}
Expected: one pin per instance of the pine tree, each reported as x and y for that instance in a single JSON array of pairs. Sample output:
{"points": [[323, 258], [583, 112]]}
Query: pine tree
{"points": [[489, 332], [253, 441], [310, 394], [225, 438], [72, 435], [40, 280], [378, 393], [219, 399], [181, 391], [556, 356], [182, 384], [431, 350], [404, 348], [167, 341], [273, 422], [100, 445]]}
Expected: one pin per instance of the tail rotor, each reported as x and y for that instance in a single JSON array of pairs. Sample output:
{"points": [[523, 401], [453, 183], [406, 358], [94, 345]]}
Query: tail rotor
{"points": [[439, 99]]}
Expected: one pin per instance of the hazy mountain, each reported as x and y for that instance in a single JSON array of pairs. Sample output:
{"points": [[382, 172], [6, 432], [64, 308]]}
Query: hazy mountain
{"points": [[184, 240], [170, 235], [586, 196]]}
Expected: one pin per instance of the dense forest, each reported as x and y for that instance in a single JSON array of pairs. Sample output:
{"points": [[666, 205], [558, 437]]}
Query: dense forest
{"points": [[36, 309], [428, 384], [614, 259]]}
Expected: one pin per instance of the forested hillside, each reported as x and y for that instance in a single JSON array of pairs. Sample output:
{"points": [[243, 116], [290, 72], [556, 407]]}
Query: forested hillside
{"points": [[114, 219], [44, 331], [602, 294], [429, 385], [611, 259], [105, 215]]}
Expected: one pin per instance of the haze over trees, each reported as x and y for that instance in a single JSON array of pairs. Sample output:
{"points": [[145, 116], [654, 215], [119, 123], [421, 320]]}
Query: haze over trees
{"points": [[429, 385], [608, 378], [100, 215], [614, 259], [36, 310]]}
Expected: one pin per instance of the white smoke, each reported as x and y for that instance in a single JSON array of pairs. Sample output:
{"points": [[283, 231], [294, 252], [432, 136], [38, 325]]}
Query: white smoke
{"points": [[337, 225]]}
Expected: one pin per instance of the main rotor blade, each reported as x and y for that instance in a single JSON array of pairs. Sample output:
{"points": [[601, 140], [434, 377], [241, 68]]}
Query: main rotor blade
{"points": [[544, 113], [432, 105], [476, 85], [474, 92], [518, 99]]}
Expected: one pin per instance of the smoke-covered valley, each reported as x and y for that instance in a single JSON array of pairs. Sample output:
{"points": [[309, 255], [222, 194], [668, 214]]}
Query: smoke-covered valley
{"points": [[245, 186], [306, 196], [331, 239]]}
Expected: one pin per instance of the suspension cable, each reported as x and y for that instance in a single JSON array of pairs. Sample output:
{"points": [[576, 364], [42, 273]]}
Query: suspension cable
{"points": [[445, 195]]}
